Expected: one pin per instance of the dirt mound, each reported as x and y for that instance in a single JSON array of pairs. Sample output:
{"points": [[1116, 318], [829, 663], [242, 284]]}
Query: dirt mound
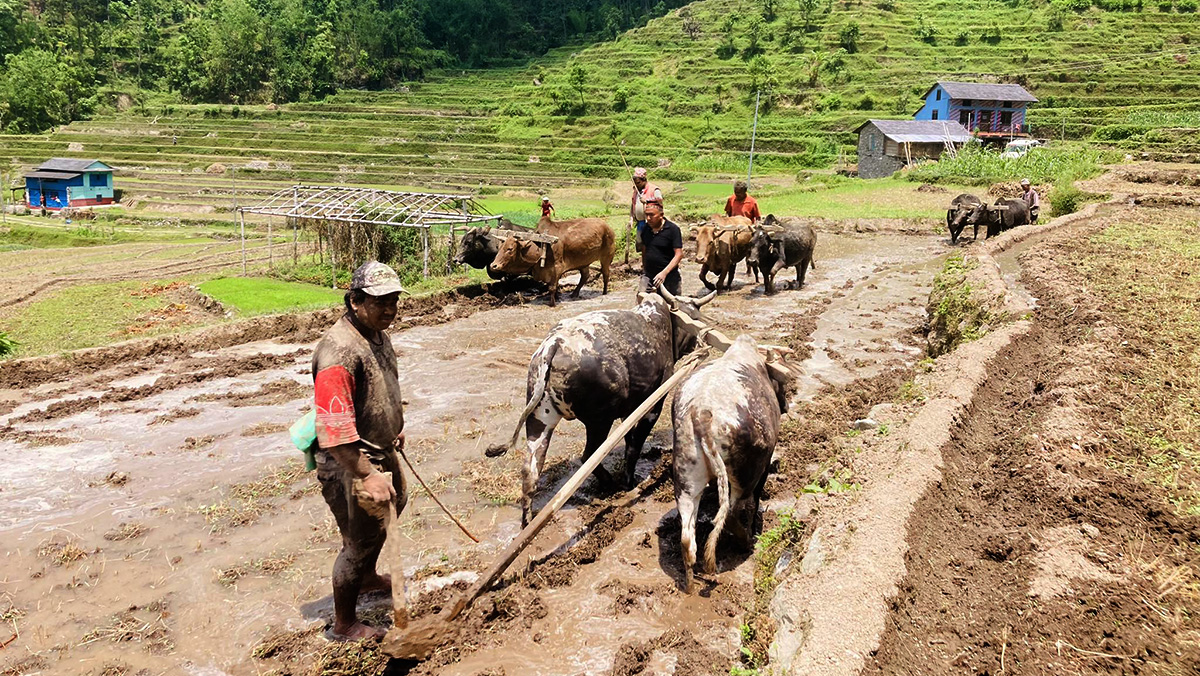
{"points": [[931, 188], [691, 656]]}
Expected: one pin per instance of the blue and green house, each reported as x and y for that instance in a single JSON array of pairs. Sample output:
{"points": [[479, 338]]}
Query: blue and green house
{"points": [[63, 182]]}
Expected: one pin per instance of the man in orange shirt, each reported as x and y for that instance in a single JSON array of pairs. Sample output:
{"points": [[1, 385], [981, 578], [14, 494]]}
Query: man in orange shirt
{"points": [[741, 204], [547, 207]]}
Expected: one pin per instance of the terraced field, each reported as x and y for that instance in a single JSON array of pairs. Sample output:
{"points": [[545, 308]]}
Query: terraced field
{"points": [[1121, 76]]}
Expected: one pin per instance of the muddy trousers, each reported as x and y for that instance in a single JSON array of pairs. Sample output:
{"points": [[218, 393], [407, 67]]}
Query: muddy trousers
{"points": [[362, 533]]}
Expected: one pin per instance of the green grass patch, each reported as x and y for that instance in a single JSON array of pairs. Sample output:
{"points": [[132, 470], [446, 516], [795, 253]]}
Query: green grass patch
{"points": [[264, 295], [85, 316]]}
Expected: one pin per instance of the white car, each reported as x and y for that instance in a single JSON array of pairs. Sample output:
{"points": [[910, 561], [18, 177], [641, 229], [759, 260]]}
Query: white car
{"points": [[1019, 147]]}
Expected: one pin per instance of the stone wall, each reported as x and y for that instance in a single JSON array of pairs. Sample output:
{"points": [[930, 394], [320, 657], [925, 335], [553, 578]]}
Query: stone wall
{"points": [[873, 163]]}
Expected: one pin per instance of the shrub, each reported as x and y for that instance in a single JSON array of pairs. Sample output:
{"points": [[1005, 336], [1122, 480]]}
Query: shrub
{"points": [[848, 37], [1187, 6], [7, 345], [962, 38], [1065, 198], [829, 102], [925, 31], [990, 35], [1056, 20], [886, 5], [1165, 6], [620, 98], [865, 103]]}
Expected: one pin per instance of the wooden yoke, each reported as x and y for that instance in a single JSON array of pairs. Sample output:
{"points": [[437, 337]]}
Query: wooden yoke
{"points": [[543, 241], [777, 365]]}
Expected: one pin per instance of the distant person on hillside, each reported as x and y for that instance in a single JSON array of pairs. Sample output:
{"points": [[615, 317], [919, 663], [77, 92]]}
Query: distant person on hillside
{"points": [[547, 207], [742, 204], [644, 192], [1031, 198]]}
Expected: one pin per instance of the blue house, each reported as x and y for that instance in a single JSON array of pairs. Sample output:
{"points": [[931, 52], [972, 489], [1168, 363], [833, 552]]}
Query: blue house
{"points": [[991, 111], [63, 182]]}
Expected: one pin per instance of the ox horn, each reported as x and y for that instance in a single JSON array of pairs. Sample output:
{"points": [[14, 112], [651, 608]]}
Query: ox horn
{"points": [[662, 290], [701, 302]]}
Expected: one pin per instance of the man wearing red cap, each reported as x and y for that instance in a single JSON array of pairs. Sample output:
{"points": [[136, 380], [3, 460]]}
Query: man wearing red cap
{"points": [[644, 192]]}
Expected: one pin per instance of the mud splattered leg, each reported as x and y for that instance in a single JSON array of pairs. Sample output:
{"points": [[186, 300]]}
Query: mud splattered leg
{"points": [[539, 427], [687, 537]]}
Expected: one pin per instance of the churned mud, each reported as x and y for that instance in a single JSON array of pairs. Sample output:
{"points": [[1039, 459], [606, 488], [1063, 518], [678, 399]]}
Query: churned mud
{"points": [[211, 555]]}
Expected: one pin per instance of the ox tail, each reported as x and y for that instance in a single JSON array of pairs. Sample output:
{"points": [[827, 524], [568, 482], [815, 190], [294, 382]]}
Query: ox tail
{"points": [[716, 465], [539, 391]]}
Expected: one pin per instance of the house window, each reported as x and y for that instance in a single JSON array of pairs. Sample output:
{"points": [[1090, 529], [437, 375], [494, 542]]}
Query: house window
{"points": [[99, 180], [935, 114], [939, 95], [985, 120], [964, 118], [966, 102], [871, 142], [1006, 118], [1008, 104]]}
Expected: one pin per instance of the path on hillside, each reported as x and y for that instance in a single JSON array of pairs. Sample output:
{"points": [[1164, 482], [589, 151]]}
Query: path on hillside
{"points": [[147, 518]]}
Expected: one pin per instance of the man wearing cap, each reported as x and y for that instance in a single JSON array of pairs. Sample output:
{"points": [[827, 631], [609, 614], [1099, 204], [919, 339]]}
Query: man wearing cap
{"points": [[662, 243], [742, 204], [547, 207], [360, 415], [644, 192], [1031, 199]]}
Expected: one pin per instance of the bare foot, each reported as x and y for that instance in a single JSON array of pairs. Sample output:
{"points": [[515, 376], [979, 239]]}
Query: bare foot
{"points": [[376, 583], [355, 632]]}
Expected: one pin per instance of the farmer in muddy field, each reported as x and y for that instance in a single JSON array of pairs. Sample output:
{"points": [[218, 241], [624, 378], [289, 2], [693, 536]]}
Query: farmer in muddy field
{"points": [[740, 203], [1031, 200], [359, 416], [662, 243]]}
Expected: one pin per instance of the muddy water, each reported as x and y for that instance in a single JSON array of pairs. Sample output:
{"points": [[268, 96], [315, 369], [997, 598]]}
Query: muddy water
{"points": [[464, 383]]}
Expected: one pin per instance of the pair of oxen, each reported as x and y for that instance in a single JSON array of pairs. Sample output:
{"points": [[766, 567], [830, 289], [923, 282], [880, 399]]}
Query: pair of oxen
{"points": [[967, 209], [602, 365], [721, 243]]}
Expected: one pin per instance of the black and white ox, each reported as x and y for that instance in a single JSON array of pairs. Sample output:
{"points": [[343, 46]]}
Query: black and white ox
{"points": [[597, 367], [726, 419]]}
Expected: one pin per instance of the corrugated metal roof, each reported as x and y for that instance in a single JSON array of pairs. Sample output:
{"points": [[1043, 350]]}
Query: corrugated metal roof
{"points": [[920, 131], [987, 92], [56, 175], [69, 164]]}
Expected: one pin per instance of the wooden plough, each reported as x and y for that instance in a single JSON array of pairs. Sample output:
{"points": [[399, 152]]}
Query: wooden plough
{"points": [[417, 640]]}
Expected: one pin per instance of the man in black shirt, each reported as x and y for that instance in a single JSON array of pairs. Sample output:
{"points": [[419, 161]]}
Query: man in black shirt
{"points": [[662, 250]]}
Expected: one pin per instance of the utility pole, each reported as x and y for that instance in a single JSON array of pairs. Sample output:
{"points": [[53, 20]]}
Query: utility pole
{"points": [[753, 135], [3, 205]]}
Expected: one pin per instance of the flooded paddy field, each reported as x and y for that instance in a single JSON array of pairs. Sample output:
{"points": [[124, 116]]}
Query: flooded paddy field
{"points": [[155, 517]]}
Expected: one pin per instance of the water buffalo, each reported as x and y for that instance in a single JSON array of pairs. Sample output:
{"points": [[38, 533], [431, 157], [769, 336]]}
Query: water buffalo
{"points": [[597, 367], [581, 242], [720, 252], [958, 213], [1014, 212], [726, 419], [774, 251]]}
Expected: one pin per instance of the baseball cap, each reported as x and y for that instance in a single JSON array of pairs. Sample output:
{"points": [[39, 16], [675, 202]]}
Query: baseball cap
{"points": [[1024, 181], [376, 279], [639, 172]]}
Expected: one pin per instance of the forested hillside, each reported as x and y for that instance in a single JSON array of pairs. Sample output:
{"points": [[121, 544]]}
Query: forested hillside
{"points": [[677, 93], [59, 56]]}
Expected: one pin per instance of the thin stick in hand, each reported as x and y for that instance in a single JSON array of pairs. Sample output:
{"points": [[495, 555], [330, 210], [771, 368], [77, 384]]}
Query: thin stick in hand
{"points": [[412, 469]]}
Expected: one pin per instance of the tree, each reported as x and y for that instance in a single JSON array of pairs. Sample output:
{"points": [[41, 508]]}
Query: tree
{"points": [[691, 27], [756, 29], [761, 75], [578, 78], [808, 11], [43, 90], [848, 37], [814, 62], [768, 8]]}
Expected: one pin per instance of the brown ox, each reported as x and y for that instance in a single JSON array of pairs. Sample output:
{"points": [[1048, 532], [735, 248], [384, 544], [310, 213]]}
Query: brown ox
{"points": [[581, 241], [720, 252]]}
